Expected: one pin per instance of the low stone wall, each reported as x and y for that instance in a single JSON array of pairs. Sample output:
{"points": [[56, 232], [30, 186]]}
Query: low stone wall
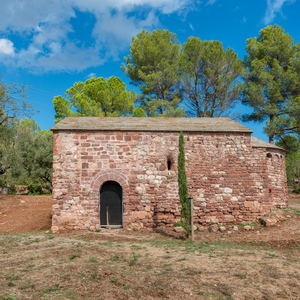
{"points": [[3, 190], [21, 190]]}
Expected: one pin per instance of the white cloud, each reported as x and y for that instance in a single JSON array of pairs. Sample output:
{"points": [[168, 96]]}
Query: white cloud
{"points": [[274, 6], [165, 6], [191, 26], [6, 47], [91, 75], [116, 31], [211, 2], [48, 36]]}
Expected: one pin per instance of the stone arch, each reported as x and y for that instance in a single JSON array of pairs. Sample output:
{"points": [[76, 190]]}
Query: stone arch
{"points": [[110, 175]]}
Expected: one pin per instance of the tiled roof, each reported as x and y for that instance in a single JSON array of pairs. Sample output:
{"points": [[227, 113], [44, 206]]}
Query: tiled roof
{"points": [[151, 124], [257, 143]]}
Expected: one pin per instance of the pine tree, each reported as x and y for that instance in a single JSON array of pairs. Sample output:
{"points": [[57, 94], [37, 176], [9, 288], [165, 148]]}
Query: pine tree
{"points": [[96, 97], [273, 82], [210, 78], [183, 189], [153, 66]]}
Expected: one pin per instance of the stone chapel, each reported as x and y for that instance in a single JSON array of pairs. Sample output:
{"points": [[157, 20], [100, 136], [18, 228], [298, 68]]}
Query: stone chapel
{"points": [[122, 172]]}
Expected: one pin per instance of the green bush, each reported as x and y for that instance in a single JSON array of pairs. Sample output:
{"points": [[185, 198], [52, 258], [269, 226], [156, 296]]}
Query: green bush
{"points": [[177, 224], [12, 190], [296, 191], [34, 189], [2, 184]]}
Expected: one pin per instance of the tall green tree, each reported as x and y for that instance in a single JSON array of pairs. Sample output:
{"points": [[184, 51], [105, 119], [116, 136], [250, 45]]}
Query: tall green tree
{"points": [[29, 156], [183, 189], [153, 66], [96, 97], [211, 78], [292, 144], [13, 102], [43, 159], [273, 81], [6, 140], [13, 105]]}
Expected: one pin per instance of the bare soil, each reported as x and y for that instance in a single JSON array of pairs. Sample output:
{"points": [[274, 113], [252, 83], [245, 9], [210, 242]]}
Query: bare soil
{"points": [[20, 213], [263, 263]]}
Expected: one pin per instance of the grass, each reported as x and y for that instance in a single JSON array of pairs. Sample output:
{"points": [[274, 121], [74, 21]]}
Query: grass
{"points": [[93, 260], [253, 224], [108, 244], [115, 258], [133, 261], [126, 286], [241, 275], [74, 256], [9, 297], [122, 268], [181, 259], [135, 247], [292, 211], [13, 277]]}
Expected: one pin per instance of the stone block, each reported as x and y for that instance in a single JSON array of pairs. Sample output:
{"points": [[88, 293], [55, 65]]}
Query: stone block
{"points": [[214, 228], [247, 227], [248, 204], [268, 221], [179, 229], [227, 190], [229, 218], [222, 228]]}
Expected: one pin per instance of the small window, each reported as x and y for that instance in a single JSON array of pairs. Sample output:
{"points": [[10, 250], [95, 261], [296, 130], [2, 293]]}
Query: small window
{"points": [[269, 155], [169, 164]]}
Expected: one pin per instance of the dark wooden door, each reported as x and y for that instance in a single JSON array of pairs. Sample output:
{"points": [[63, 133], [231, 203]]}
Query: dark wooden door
{"points": [[111, 212]]}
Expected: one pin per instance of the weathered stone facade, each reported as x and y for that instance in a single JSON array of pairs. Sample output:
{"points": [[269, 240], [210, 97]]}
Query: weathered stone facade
{"points": [[231, 177]]}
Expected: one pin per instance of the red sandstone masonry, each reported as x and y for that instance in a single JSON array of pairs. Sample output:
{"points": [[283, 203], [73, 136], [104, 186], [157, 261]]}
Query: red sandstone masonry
{"points": [[229, 180]]}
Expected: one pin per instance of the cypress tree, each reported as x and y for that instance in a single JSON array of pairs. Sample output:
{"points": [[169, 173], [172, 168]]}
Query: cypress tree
{"points": [[183, 189]]}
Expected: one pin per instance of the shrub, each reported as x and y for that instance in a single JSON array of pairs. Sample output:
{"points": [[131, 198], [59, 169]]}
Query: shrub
{"points": [[35, 189], [12, 190]]}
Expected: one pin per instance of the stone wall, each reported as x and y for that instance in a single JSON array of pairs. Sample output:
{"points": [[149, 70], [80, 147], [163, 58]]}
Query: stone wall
{"points": [[228, 179], [3, 190], [277, 178]]}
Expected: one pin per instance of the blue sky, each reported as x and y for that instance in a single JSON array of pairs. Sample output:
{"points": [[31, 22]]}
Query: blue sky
{"points": [[49, 45]]}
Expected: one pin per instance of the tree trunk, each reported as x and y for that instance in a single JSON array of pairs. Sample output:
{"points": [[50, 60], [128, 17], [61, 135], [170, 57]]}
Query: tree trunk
{"points": [[271, 136]]}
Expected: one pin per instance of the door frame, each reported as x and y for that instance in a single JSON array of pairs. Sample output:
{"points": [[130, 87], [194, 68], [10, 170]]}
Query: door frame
{"points": [[122, 207]]}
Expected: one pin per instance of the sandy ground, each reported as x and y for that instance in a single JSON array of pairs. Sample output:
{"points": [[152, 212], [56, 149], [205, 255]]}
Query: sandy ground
{"points": [[263, 263]]}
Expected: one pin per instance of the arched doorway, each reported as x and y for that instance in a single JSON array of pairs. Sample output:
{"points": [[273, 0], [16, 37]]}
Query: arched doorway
{"points": [[111, 204]]}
